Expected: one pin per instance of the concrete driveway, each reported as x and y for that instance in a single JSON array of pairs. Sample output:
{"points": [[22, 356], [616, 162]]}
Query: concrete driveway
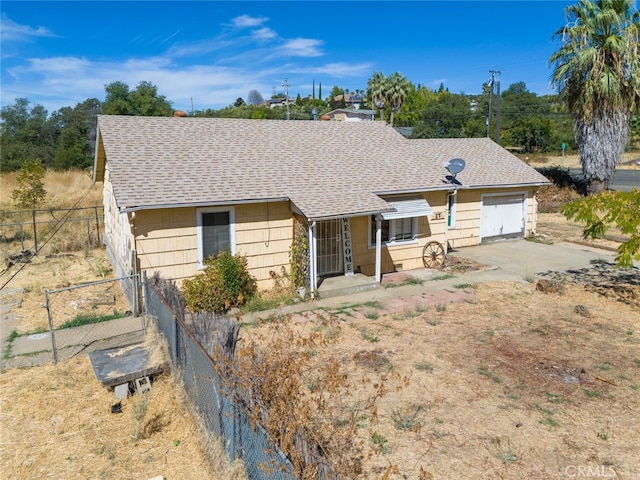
{"points": [[523, 260]]}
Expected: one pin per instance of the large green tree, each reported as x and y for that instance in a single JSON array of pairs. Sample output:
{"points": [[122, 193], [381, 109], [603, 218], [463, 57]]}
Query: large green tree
{"points": [[597, 72], [377, 87], [143, 100], [389, 92], [444, 117], [77, 137], [398, 88], [25, 135]]}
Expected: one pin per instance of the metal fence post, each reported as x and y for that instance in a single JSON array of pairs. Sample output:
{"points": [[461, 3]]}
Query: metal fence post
{"points": [[51, 329], [35, 233], [134, 272], [97, 226]]}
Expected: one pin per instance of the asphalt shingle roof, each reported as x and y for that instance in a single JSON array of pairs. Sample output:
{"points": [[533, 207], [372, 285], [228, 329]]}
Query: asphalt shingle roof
{"points": [[327, 169]]}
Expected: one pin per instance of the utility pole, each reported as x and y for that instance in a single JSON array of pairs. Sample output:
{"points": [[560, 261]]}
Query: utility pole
{"points": [[286, 96], [493, 73], [498, 112]]}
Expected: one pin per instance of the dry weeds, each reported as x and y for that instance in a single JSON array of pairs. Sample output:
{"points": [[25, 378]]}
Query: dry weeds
{"points": [[57, 271], [514, 383], [629, 160], [64, 189], [56, 420], [57, 423]]}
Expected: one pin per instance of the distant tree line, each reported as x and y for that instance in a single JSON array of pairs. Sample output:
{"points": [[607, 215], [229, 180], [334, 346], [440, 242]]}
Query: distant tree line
{"points": [[66, 138]]}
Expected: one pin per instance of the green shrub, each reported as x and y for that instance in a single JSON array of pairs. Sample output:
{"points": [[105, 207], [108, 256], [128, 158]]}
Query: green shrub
{"points": [[224, 283], [30, 193]]}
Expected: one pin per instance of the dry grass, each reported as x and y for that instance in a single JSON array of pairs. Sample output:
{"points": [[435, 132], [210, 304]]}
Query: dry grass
{"points": [[55, 272], [64, 189], [57, 423], [629, 160], [554, 227]]}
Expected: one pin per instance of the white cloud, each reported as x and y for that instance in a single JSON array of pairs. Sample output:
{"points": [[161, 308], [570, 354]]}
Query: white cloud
{"points": [[340, 70], [248, 21], [10, 30], [264, 33], [65, 81], [201, 47], [228, 66], [302, 47]]}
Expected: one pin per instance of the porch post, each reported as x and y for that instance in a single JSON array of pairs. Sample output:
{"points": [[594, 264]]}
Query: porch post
{"points": [[378, 247], [313, 260]]}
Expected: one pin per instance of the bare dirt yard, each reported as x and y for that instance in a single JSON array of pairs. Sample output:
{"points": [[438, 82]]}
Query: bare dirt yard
{"points": [[519, 379], [497, 380], [509, 382]]}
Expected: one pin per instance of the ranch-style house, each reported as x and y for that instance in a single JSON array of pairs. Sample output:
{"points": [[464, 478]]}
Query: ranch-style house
{"points": [[357, 197]]}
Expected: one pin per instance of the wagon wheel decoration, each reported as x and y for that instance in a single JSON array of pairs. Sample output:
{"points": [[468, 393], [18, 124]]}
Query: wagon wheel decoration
{"points": [[433, 255]]}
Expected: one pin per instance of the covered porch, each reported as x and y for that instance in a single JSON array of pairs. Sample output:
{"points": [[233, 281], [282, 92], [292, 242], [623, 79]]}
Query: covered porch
{"points": [[339, 247]]}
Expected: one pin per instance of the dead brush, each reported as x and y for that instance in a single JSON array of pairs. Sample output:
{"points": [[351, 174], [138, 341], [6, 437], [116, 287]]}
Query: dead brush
{"points": [[315, 427]]}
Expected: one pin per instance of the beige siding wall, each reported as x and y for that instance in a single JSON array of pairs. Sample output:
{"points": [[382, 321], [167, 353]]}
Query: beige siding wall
{"points": [[167, 240], [117, 229], [265, 243]]}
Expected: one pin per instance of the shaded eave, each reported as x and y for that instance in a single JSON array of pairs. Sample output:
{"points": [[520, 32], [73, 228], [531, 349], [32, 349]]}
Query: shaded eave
{"points": [[100, 159], [509, 185], [202, 204], [313, 218]]}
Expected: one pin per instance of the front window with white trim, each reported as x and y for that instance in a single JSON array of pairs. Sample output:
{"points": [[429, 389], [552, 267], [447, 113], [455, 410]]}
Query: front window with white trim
{"points": [[216, 232], [400, 230]]}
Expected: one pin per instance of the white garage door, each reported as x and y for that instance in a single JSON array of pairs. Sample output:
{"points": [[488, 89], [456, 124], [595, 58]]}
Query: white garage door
{"points": [[502, 216]]}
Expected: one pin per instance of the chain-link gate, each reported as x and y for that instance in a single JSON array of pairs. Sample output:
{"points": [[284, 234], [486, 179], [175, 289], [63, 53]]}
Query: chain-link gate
{"points": [[89, 317]]}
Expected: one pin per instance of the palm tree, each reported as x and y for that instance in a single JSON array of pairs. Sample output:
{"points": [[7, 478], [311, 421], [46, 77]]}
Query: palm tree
{"points": [[597, 72], [377, 90], [397, 91]]}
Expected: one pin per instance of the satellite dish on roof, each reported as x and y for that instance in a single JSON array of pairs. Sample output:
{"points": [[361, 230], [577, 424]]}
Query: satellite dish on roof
{"points": [[454, 167]]}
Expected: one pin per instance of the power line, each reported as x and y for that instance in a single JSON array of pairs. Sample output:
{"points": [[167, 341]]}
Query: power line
{"points": [[286, 97]]}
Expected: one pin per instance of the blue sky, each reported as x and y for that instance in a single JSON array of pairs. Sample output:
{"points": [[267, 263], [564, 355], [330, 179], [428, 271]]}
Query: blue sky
{"points": [[208, 52]]}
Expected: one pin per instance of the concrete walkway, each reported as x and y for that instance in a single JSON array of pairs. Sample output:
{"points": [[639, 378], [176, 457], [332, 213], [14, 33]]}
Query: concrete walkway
{"points": [[37, 349], [508, 260]]}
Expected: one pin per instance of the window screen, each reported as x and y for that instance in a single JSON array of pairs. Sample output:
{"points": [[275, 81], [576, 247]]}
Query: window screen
{"points": [[216, 234]]}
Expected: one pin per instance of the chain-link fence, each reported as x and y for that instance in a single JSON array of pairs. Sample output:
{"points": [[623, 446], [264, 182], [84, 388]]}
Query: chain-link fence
{"points": [[73, 229], [223, 414], [88, 317]]}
